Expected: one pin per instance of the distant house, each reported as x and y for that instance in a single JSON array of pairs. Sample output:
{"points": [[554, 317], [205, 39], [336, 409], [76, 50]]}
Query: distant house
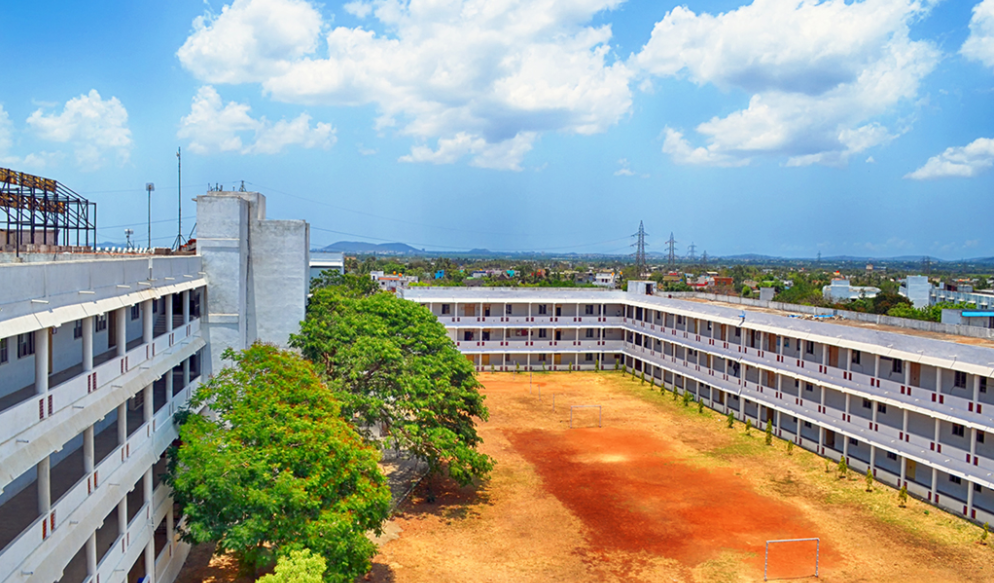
{"points": [[841, 290], [606, 280], [392, 282]]}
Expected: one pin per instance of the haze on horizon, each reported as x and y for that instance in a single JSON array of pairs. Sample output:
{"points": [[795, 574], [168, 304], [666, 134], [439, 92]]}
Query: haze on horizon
{"points": [[777, 127]]}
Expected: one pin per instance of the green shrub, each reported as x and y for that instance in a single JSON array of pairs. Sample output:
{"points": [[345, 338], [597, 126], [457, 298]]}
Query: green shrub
{"points": [[687, 398], [643, 377], [843, 468], [902, 496], [676, 394], [571, 367], [869, 480], [748, 425], [616, 363], [790, 447], [517, 367], [700, 406], [984, 534], [769, 431], [730, 420]]}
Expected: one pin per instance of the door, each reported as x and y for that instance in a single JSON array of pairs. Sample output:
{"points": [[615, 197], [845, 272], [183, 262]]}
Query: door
{"points": [[486, 335], [722, 335], [559, 311], [833, 356], [559, 335], [486, 310], [486, 360], [558, 359], [829, 438], [911, 469], [916, 374], [771, 342]]}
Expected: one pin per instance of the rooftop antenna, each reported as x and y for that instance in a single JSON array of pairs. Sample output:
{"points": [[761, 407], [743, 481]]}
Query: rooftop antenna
{"points": [[128, 233], [179, 199], [149, 187], [641, 266]]}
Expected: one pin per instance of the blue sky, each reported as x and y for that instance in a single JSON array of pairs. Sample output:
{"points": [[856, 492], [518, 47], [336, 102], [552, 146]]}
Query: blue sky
{"points": [[778, 127]]}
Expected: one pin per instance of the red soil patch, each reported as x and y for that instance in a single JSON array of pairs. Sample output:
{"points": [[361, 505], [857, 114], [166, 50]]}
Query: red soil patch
{"points": [[635, 496]]}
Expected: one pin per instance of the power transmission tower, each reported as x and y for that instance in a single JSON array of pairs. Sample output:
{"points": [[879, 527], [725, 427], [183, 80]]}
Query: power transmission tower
{"points": [[704, 260], [927, 265], [692, 254], [819, 258], [671, 245], [641, 266]]}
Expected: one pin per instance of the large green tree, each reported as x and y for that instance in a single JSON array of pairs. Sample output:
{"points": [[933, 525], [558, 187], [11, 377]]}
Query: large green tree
{"points": [[275, 468], [393, 367]]}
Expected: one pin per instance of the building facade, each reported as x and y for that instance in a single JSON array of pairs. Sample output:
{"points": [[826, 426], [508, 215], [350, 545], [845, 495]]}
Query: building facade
{"points": [[97, 353], [913, 407]]}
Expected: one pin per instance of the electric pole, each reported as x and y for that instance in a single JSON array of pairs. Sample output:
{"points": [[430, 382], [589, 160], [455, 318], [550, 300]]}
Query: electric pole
{"points": [[179, 199], [149, 187]]}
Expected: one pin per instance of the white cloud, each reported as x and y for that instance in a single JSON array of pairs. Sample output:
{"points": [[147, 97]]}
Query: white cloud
{"points": [[358, 9], [365, 151], [965, 161], [625, 169], [215, 126], [479, 79], [682, 152], [979, 46], [92, 126], [817, 72], [251, 40]]}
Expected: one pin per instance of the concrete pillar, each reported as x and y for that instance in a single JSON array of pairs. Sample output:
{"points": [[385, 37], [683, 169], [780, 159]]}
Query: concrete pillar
{"points": [[122, 423], [907, 373], [969, 498], [147, 488], [935, 482], [976, 388], [148, 404], [88, 457], [186, 307], [904, 471], [148, 320], [169, 387], [821, 438], [44, 483], [150, 561], [848, 359], [824, 354], [41, 360], [876, 366], [936, 439], [121, 330], [88, 343], [873, 448], [122, 516], [168, 299], [91, 555]]}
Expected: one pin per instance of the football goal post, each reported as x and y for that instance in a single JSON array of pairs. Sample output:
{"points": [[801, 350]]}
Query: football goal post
{"points": [[794, 555]]}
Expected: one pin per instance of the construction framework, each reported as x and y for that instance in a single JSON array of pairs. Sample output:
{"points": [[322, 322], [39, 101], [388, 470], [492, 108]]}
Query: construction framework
{"points": [[41, 211]]}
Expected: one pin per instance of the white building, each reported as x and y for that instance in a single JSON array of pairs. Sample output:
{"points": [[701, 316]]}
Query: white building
{"points": [[97, 353], [841, 290], [913, 406], [392, 282], [609, 280], [917, 289], [326, 261]]}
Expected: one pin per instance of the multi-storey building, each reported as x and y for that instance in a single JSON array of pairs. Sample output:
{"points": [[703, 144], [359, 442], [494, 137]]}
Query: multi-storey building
{"points": [[97, 353], [914, 406]]}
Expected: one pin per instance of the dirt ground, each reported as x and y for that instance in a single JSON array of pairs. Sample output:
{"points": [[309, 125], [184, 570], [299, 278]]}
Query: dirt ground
{"points": [[661, 492]]}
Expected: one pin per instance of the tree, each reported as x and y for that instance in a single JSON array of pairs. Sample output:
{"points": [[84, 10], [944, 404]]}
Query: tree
{"points": [[902, 496], [748, 425], [790, 447], [869, 479], [277, 469], [392, 366], [297, 567], [985, 533], [843, 468], [730, 420], [769, 431]]}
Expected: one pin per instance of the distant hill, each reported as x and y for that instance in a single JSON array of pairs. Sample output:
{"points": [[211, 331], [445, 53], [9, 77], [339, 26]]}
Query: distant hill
{"points": [[379, 248]]}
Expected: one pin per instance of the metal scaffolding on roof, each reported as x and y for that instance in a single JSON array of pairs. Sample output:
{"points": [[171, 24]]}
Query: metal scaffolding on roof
{"points": [[41, 211]]}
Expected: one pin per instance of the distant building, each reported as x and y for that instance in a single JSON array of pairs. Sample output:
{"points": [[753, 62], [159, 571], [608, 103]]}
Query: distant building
{"points": [[392, 282], [981, 318], [324, 261], [922, 293], [606, 280], [841, 290]]}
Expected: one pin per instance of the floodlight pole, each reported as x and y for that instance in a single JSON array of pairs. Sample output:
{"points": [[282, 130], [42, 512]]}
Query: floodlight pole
{"points": [[149, 187], [179, 198]]}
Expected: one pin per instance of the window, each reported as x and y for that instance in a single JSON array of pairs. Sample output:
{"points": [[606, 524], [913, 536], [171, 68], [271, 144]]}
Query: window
{"points": [[101, 323], [983, 384], [809, 347], [867, 404], [853, 441], [679, 319], [809, 387], [588, 310], [897, 366], [445, 308], [3, 350], [977, 488], [542, 333], [542, 309], [590, 332], [955, 479], [588, 357], [958, 430], [135, 312], [959, 381], [786, 342], [77, 329], [881, 408], [541, 358], [980, 437], [891, 455], [738, 332], [25, 344], [467, 336], [797, 383], [507, 310], [709, 326], [855, 357], [807, 424]]}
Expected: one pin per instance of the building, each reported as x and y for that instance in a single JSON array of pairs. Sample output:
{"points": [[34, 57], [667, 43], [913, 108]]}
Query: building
{"points": [[841, 290], [608, 280], [917, 289], [326, 261], [922, 293], [97, 352], [913, 405], [392, 282]]}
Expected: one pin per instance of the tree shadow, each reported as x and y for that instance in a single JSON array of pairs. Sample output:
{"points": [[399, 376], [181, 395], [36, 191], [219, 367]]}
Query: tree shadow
{"points": [[451, 501], [380, 573]]}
